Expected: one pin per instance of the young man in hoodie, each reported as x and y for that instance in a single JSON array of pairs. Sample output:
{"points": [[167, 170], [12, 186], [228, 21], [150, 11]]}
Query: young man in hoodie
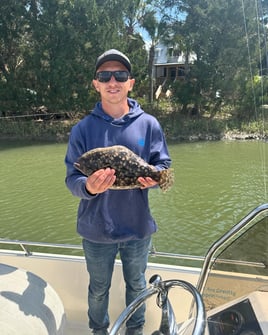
{"points": [[115, 221]]}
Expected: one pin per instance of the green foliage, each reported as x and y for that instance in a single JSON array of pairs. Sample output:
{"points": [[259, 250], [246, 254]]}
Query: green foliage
{"points": [[54, 131], [226, 39], [48, 50]]}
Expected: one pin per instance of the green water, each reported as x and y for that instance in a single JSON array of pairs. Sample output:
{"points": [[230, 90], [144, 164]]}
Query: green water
{"points": [[217, 183]]}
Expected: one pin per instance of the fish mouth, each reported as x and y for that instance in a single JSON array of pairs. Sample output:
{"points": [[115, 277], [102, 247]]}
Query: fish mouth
{"points": [[78, 167]]}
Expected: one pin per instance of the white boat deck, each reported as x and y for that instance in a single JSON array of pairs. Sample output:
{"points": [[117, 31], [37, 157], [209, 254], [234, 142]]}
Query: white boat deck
{"points": [[67, 275], [50, 290]]}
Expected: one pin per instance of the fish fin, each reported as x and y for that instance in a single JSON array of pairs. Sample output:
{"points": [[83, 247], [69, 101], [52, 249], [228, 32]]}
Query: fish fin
{"points": [[166, 179]]}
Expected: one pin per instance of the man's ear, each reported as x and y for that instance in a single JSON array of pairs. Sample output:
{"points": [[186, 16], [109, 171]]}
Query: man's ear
{"points": [[94, 84], [132, 82]]}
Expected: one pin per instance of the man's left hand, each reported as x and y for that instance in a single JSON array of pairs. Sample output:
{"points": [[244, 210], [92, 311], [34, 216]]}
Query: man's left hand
{"points": [[147, 182]]}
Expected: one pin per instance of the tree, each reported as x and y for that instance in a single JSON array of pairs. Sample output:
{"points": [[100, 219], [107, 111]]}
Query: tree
{"points": [[13, 27], [215, 32], [155, 21], [49, 48], [67, 37]]}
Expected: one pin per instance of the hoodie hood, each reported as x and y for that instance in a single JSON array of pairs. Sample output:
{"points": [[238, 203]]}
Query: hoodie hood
{"points": [[134, 111]]}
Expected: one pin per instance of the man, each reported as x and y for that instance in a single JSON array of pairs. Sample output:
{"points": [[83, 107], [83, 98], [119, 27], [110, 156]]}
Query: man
{"points": [[115, 221]]}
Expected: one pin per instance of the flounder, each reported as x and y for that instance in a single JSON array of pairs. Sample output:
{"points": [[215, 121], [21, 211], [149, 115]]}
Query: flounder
{"points": [[127, 165]]}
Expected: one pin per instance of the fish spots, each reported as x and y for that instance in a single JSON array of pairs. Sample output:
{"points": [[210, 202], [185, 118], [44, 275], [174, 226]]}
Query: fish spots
{"points": [[127, 165]]}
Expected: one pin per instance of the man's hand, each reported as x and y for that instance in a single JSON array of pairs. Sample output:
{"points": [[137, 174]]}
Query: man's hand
{"points": [[100, 181], [147, 182]]}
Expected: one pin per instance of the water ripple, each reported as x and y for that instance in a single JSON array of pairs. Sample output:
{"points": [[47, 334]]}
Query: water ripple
{"points": [[216, 184]]}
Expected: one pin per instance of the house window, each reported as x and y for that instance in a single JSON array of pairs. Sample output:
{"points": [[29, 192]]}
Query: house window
{"points": [[173, 73], [181, 71], [170, 52]]}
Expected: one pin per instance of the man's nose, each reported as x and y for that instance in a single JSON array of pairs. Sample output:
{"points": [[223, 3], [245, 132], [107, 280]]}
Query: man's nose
{"points": [[113, 79]]}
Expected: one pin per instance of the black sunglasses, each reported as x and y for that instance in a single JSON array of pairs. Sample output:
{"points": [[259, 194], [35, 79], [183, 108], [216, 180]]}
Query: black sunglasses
{"points": [[105, 76]]}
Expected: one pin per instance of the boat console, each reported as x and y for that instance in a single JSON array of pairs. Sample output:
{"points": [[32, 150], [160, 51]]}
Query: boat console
{"points": [[244, 316]]}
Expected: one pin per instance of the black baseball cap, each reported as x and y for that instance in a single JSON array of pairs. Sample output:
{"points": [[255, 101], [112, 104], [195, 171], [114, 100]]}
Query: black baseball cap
{"points": [[113, 55]]}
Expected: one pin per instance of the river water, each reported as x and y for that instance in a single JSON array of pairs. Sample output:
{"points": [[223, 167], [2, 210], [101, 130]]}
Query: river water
{"points": [[216, 184]]}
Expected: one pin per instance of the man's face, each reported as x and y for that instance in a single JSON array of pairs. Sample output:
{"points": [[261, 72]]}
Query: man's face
{"points": [[113, 91]]}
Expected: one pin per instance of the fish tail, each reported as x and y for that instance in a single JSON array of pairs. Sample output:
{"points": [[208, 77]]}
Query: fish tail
{"points": [[166, 179]]}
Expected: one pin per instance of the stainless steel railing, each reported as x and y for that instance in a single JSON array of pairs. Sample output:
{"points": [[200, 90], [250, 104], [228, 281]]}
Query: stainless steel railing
{"points": [[247, 222]]}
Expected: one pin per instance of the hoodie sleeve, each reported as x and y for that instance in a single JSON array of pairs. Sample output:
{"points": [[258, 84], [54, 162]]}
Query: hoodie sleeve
{"points": [[159, 155], [75, 180]]}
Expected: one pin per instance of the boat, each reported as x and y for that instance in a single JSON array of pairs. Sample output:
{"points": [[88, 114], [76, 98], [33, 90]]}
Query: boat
{"points": [[45, 292]]}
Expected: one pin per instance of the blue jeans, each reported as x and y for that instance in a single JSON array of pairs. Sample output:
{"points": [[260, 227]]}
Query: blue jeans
{"points": [[100, 260]]}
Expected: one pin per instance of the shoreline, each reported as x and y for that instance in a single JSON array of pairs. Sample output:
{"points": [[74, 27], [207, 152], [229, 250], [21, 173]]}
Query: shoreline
{"points": [[63, 138], [59, 131], [228, 136]]}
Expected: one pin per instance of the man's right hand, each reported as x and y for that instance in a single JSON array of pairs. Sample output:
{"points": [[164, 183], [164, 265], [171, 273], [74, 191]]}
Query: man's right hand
{"points": [[100, 181]]}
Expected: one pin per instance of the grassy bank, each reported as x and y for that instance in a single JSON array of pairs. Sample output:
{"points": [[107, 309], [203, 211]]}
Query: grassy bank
{"points": [[176, 129]]}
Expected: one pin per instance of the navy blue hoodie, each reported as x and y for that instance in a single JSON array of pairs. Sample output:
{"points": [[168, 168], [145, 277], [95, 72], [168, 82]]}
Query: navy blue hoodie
{"points": [[115, 215]]}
